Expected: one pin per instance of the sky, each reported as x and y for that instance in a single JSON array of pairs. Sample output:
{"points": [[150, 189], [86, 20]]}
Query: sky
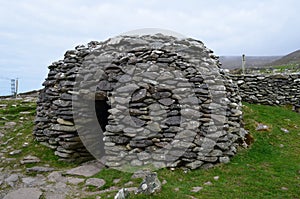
{"points": [[35, 33]]}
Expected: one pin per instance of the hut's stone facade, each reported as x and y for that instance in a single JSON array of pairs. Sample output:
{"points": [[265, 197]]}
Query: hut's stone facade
{"points": [[140, 100]]}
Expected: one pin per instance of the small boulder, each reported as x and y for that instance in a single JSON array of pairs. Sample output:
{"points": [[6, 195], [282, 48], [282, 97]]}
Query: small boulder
{"points": [[284, 130], [24, 193], [30, 159], [122, 194], [262, 127], [150, 184], [96, 182], [39, 169]]}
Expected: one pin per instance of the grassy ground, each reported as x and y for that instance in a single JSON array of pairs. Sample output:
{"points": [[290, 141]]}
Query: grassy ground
{"points": [[282, 68], [19, 137], [270, 168]]}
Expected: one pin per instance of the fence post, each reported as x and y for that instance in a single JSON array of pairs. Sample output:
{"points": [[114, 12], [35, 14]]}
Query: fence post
{"points": [[243, 63]]}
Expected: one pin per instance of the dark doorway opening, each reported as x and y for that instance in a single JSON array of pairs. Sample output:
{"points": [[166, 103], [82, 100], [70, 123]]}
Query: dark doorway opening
{"points": [[102, 113]]}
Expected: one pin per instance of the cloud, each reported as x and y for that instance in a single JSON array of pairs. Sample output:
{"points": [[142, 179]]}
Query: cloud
{"points": [[33, 33]]}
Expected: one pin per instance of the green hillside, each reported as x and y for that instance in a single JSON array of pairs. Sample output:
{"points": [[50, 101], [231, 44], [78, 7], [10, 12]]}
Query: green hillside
{"points": [[289, 59]]}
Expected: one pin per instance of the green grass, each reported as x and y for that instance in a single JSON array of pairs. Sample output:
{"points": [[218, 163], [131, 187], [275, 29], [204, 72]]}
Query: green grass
{"points": [[271, 164], [22, 133], [292, 67], [289, 68], [280, 69]]}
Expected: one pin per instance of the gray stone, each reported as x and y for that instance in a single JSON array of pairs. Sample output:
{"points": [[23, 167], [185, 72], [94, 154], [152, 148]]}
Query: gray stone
{"points": [[39, 169], [64, 122], [54, 195], [37, 181], [154, 127], [166, 101], [127, 88], [144, 156], [105, 85], [30, 159], [136, 163], [262, 127], [122, 194], [124, 78], [284, 130], [194, 165], [173, 121], [190, 113], [208, 183], [56, 176], [87, 170], [140, 174], [160, 95], [96, 182], [191, 125], [15, 152], [10, 124], [150, 184], [24, 193], [28, 181], [12, 179], [186, 135], [139, 95], [59, 127], [74, 181], [208, 143], [196, 189], [224, 160]]}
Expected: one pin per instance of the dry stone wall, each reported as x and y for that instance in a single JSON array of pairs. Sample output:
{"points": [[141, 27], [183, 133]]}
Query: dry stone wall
{"points": [[269, 89], [140, 100]]}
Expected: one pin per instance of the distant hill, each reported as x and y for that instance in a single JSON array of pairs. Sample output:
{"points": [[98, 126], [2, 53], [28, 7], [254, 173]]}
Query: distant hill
{"points": [[292, 58], [233, 62]]}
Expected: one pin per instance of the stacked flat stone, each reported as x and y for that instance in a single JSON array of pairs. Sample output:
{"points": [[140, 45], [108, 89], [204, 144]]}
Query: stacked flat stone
{"points": [[170, 104], [269, 89]]}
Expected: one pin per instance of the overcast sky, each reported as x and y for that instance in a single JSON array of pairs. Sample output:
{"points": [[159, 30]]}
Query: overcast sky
{"points": [[34, 33]]}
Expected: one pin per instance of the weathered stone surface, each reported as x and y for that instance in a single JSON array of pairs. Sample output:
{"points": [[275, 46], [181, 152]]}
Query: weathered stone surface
{"points": [[30, 159], [87, 170], [174, 120], [262, 127], [150, 184], [58, 127], [196, 189], [96, 182], [128, 88], [122, 194], [194, 165], [65, 122], [39, 169], [55, 176], [166, 101], [139, 95], [24, 193], [12, 179], [74, 181]]}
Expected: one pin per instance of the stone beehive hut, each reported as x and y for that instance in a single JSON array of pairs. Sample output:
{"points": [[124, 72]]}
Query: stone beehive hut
{"points": [[140, 100]]}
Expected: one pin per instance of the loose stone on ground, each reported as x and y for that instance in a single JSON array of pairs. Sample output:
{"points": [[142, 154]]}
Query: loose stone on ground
{"points": [[24, 193]]}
